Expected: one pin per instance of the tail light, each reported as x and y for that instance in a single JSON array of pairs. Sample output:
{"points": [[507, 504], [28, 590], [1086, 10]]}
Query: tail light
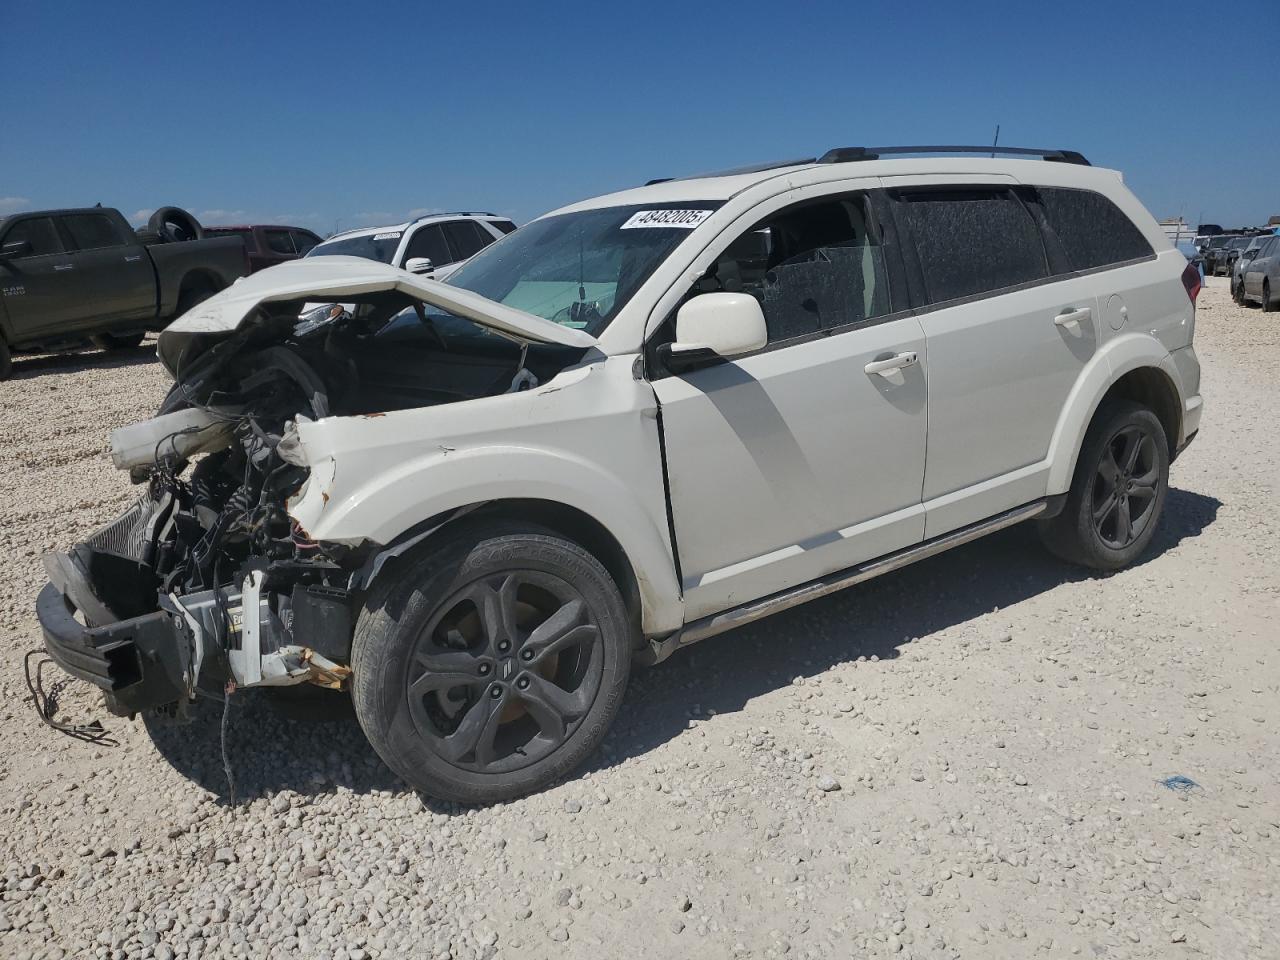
{"points": [[1191, 280]]}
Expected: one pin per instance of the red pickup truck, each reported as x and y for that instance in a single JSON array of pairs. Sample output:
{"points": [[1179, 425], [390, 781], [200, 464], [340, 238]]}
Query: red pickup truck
{"points": [[268, 244]]}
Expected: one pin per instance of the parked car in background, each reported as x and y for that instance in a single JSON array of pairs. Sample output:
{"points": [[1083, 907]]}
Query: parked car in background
{"points": [[1215, 254], [641, 420], [1260, 278], [434, 245], [1239, 264], [67, 276], [269, 244], [1235, 246]]}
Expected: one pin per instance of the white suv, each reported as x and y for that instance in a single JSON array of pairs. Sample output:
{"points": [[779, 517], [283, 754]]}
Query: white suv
{"points": [[639, 421], [433, 245]]}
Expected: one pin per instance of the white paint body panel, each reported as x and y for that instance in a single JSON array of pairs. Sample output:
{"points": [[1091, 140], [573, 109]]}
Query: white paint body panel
{"points": [[783, 465]]}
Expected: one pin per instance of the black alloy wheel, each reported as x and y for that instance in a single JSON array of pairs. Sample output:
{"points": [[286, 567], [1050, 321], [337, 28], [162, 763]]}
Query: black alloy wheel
{"points": [[491, 661], [1124, 487], [505, 671], [1117, 492]]}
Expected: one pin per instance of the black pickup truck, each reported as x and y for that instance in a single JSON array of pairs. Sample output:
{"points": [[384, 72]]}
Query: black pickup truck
{"points": [[70, 276]]}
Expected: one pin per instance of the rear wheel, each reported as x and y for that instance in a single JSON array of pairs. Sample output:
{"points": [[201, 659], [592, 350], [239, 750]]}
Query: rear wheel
{"points": [[493, 665], [6, 362], [191, 296], [1117, 493]]}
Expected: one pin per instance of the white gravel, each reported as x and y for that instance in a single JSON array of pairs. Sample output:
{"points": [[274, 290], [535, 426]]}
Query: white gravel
{"points": [[959, 760]]}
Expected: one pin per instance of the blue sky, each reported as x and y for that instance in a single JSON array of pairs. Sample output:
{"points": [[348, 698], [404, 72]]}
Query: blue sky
{"points": [[336, 115]]}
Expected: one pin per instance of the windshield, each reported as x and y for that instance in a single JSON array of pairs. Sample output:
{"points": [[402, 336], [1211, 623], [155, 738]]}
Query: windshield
{"points": [[372, 246], [1240, 243], [1217, 242], [580, 269]]}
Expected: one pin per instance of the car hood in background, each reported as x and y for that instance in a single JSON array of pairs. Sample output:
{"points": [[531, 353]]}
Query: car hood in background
{"points": [[338, 279]]}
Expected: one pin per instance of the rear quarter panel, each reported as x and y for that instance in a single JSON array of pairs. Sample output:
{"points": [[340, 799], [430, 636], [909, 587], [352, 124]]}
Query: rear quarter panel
{"points": [[220, 259]]}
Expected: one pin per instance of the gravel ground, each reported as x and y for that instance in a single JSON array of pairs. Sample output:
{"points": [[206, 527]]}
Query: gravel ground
{"points": [[963, 759]]}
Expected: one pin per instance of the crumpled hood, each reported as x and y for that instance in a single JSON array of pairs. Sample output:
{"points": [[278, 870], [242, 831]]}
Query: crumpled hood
{"points": [[339, 279]]}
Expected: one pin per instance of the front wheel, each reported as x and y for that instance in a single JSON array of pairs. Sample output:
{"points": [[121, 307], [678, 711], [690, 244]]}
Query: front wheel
{"points": [[1267, 305], [491, 664], [1117, 493]]}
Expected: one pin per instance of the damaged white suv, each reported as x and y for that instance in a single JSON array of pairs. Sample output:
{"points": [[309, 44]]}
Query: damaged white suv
{"points": [[638, 421]]}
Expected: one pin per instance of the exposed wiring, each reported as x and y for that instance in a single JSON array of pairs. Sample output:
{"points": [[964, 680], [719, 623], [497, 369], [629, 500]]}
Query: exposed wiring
{"points": [[229, 689], [46, 704]]}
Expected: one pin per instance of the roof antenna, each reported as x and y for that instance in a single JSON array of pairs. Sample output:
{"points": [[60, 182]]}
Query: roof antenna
{"points": [[994, 141]]}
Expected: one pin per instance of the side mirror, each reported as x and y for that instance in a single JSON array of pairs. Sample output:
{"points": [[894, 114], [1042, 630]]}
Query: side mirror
{"points": [[14, 249], [419, 265], [716, 325]]}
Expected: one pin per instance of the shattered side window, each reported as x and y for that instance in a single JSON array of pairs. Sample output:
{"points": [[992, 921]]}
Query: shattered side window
{"points": [[972, 241], [813, 267], [1093, 230]]}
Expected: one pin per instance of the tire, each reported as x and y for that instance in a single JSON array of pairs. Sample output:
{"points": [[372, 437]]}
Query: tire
{"points": [[1077, 535], [6, 361], [119, 341], [1237, 292], [175, 225], [1267, 305], [454, 712], [192, 296]]}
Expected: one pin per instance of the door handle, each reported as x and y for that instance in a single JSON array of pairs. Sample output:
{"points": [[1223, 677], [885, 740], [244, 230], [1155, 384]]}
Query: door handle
{"points": [[60, 267], [1074, 315], [889, 365]]}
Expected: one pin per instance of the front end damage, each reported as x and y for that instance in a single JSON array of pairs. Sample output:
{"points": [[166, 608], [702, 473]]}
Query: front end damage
{"points": [[208, 579]]}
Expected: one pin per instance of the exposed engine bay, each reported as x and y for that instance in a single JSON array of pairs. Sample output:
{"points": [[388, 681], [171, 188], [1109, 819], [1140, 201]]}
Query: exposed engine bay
{"points": [[207, 578]]}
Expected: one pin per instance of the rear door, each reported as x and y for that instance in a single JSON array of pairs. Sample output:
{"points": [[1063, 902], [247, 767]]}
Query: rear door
{"points": [[799, 460], [1009, 329], [36, 289], [112, 274]]}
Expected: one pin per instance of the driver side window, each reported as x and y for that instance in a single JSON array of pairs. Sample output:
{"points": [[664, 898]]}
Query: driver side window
{"points": [[814, 267], [429, 241]]}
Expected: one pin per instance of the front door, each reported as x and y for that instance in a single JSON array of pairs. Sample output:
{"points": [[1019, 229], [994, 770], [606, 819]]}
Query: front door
{"points": [[111, 273], [35, 288], [806, 457]]}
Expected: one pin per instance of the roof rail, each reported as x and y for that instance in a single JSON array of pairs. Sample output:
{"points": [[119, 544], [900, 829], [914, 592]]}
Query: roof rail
{"points": [[848, 154], [753, 168], [457, 213]]}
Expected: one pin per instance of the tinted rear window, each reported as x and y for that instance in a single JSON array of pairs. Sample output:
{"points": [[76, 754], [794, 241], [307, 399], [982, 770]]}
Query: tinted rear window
{"points": [[506, 226], [1093, 231], [91, 231], [972, 241]]}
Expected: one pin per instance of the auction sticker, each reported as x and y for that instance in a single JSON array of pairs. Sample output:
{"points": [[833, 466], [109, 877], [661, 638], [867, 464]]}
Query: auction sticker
{"points": [[684, 219], [386, 236]]}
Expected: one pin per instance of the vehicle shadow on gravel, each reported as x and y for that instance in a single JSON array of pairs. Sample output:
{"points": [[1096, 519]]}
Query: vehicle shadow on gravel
{"points": [[313, 744], [32, 365], [875, 619]]}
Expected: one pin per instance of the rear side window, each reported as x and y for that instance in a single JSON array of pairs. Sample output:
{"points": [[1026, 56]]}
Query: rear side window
{"points": [[504, 226], [279, 241], [1092, 230], [429, 242], [466, 238], [39, 232], [972, 241], [91, 231]]}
